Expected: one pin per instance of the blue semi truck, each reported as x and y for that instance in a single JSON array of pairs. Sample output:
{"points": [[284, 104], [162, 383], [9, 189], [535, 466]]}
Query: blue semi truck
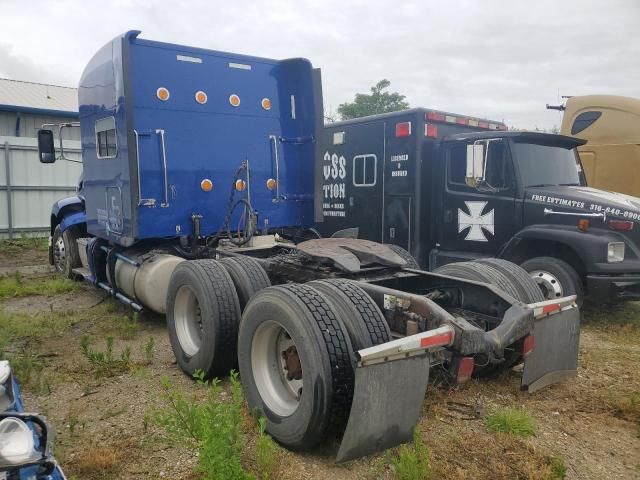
{"points": [[200, 190]]}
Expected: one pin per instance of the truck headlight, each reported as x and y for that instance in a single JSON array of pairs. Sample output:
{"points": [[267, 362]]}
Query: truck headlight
{"points": [[615, 252], [16, 443]]}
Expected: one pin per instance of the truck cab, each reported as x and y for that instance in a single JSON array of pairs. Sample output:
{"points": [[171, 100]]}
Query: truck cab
{"points": [[610, 125], [447, 193]]}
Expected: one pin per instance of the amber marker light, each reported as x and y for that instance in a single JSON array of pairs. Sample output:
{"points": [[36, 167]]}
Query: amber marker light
{"points": [[266, 103], [583, 225], [234, 100], [201, 97], [271, 184], [240, 185], [206, 185], [163, 94]]}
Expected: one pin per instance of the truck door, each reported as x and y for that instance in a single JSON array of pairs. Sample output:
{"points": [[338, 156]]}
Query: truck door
{"points": [[478, 220], [352, 179]]}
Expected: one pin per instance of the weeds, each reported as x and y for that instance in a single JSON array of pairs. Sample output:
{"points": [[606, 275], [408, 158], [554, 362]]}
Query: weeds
{"points": [[148, 351], [558, 468], [15, 285], [412, 461], [214, 427], [30, 371], [128, 327], [266, 453], [513, 421], [104, 364]]}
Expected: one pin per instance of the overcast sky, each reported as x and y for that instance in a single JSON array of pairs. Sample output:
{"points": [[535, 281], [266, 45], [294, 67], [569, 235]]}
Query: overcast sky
{"points": [[498, 59]]}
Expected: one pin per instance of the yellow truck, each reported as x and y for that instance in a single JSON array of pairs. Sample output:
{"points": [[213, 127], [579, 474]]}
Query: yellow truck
{"points": [[611, 126]]}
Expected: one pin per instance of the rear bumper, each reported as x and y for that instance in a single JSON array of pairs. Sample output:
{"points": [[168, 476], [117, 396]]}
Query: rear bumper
{"points": [[613, 288]]}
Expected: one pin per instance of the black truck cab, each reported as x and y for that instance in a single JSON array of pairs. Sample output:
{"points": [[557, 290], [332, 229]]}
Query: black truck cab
{"points": [[450, 188]]}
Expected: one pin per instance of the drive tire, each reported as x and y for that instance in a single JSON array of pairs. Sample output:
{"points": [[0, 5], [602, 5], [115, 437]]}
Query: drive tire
{"points": [[302, 315], [488, 273], [360, 315], [203, 313], [247, 275], [555, 277], [529, 292], [406, 256], [64, 250]]}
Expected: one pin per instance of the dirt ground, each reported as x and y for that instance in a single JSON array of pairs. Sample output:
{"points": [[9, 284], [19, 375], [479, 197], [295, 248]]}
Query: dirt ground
{"points": [[591, 423]]}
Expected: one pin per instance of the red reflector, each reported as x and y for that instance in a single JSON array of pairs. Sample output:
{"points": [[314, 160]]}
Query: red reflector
{"points": [[528, 345], [483, 124], [430, 130], [465, 369], [462, 121], [435, 116], [625, 225], [403, 129], [441, 339], [554, 307]]}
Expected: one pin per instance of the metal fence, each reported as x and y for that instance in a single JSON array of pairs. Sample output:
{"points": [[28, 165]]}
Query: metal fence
{"points": [[29, 188]]}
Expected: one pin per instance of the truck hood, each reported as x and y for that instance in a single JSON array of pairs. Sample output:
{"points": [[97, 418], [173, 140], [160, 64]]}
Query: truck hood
{"points": [[587, 199]]}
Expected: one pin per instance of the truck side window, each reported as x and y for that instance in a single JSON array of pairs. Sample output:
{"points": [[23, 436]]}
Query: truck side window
{"points": [[584, 120], [106, 138], [498, 169], [364, 170]]}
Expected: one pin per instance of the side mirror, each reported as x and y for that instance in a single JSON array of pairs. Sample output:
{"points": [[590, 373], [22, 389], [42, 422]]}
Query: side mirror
{"points": [[46, 148], [475, 165]]}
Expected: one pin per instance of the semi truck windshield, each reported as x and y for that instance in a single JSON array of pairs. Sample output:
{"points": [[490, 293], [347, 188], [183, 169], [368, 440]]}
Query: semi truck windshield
{"points": [[542, 165]]}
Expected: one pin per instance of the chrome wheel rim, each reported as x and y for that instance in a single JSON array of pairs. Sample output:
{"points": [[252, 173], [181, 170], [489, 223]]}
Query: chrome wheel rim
{"points": [[548, 283], [188, 321], [59, 255], [273, 358]]}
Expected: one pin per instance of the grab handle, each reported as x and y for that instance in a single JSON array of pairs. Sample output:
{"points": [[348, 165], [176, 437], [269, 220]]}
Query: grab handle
{"points": [[164, 204], [146, 202], [274, 139]]}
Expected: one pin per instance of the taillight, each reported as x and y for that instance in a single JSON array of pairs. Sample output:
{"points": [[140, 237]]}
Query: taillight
{"points": [[465, 369], [435, 116], [430, 130], [624, 225], [403, 129], [528, 345]]}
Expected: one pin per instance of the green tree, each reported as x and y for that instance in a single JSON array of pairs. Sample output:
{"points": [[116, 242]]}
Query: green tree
{"points": [[378, 101]]}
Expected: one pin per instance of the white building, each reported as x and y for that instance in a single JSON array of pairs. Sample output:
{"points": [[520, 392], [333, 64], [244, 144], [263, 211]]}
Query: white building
{"points": [[27, 188]]}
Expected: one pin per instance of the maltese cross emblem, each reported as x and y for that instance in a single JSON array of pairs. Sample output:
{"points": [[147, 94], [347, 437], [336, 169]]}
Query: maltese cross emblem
{"points": [[475, 221]]}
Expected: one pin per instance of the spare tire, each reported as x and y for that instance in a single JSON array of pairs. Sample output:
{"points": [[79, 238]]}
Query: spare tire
{"points": [[360, 315], [203, 313], [295, 361]]}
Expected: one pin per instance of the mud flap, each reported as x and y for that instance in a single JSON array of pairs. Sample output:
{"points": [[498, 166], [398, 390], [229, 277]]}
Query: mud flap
{"points": [[387, 402], [555, 355]]}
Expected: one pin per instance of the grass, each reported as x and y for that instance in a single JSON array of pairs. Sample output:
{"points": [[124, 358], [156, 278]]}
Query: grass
{"points": [[214, 427], [557, 468], [266, 453], [411, 462], [14, 286], [12, 247], [104, 364], [16, 327], [513, 421]]}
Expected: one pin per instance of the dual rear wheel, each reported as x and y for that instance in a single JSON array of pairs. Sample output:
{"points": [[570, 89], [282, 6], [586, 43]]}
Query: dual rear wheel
{"points": [[293, 344]]}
